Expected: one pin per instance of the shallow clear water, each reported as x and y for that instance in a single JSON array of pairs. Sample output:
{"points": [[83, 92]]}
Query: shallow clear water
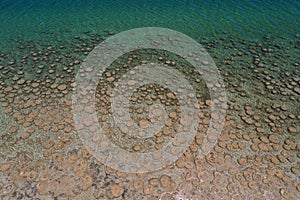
{"points": [[255, 46]]}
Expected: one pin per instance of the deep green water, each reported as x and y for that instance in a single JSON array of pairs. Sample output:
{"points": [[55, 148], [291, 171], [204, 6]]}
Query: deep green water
{"points": [[251, 19]]}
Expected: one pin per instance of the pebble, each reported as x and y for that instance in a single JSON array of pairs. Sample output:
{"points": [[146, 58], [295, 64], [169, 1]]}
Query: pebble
{"points": [[144, 123], [138, 184], [297, 90], [295, 171], [264, 139], [131, 82], [298, 188], [12, 129], [62, 87], [189, 164], [47, 153], [284, 192], [168, 122], [43, 187], [4, 167], [180, 163], [31, 176], [137, 148], [292, 130], [21, 81], [80, 167], [110, 79], [275, 160], [8, 189], [148, 189], [260, 130], [274, 139], [242, 161], [24, 135], [35, 84], [87, 182], [248, 120]]}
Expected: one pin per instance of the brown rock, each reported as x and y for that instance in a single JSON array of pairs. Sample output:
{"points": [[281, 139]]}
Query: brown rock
{"points": [[285, 193], [171, 95], [199, 139], [48, 144], [8, 89], [87, 122], [30, 130], [131, 82], [45, 177], [263, 147], [138, 184], [165, 181], [281, 158], [5, 167], [80, 167], [298, 188], [220, 180], [43, 187], [180, 163], [166, 131], [24, 136], [248, 120], [264, 139], [260, 130], [274, 139], [242, 161], [205, 176], [47, 153], [144, 123], [72, 158], [292, 130], [58, 145], [287, 180], [172, 115], [116, 191], [148, 189], [8, 110], [12, 129], [31, 176], [168, 122], [110, 79], [57, 158], [154, 182], [8, 189], [295, 170], [136, 148], [193, 147], [62, 87], [85, 153], [253, 185], [64, 138], [275, 160], [35, 85], [21, 81], [297, 90], [254, 147], [87, 182], [247, 175]]}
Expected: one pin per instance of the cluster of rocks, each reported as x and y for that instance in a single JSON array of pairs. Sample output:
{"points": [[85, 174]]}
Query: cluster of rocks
{"points": [[257, 154]]}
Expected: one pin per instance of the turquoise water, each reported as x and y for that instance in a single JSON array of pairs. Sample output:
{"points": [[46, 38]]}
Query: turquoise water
{"points": [[30, 20]]}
